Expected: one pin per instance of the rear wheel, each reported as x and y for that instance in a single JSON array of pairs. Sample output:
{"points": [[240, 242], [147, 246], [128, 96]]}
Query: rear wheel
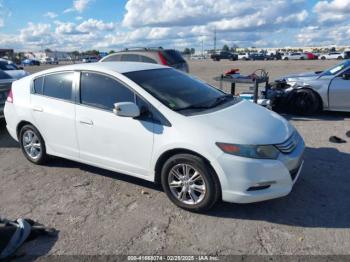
{"points": [[323, 58], [286, 58], [32, 144], [339, 58], [190, 182], [305, 102]]}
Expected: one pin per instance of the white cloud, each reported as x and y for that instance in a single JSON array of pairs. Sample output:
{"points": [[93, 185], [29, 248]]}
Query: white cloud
{"points": [[63, 28], [4, 13], [93, 24], [51, 15], [224, 14], [185, 23], [78, 6], [320, 35], [333, 11]]}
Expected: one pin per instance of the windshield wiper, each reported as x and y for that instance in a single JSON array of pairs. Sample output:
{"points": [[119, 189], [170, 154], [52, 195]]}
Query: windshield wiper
{"points": [[207, 105], [192, 107], [221, 99]]}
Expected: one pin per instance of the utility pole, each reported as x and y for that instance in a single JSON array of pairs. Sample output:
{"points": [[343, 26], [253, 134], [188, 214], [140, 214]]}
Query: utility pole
{"points": [[202, 48], [214, 40]]}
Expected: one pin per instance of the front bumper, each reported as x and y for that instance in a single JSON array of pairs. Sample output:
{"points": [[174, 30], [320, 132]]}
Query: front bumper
{"points": [[242, 176]]}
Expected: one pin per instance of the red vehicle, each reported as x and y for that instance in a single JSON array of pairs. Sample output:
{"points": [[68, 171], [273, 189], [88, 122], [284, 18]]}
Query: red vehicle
{"points": [[311, 56]]}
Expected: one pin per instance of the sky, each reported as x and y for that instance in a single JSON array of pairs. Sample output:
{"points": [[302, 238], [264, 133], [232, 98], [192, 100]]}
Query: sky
{"points": [[105, 25]]}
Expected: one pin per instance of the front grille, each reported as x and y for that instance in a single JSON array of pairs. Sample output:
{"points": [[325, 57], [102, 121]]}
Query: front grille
{"points": [[290, 144]]}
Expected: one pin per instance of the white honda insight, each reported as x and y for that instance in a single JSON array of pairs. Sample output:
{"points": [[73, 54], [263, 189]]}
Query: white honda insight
{"points": [[158, 124]]}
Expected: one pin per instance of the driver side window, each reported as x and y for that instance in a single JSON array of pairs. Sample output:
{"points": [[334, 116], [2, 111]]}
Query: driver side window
{"points": [[101, 91]]}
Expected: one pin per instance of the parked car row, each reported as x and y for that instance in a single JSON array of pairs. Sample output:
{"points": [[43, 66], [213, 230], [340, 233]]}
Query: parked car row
{"points": [[278, 56], [5, 87], [12, 69]]}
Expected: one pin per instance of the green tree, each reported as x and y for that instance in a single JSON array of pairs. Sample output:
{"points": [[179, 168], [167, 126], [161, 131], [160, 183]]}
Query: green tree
{"points": [[111, 52], [225, 48], [187, 51], [192, 50]]}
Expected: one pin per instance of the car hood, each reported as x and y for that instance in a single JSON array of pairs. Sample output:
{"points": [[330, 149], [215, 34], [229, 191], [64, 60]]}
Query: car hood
{"points": [[301, 76], [245, 123], [17, 74]]}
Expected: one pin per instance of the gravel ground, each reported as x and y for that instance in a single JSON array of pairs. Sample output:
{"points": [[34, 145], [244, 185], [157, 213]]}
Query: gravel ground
{"points": [[101, 212]]}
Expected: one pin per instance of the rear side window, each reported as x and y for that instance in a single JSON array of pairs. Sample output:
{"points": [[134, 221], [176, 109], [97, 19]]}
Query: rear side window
{"points": [[173, 57], [103, 92], [146, 59], [131, 58], [38, 85], [112, 58], [59, 85]]}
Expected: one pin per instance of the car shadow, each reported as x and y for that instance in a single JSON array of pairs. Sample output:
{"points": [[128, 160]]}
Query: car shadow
{"points": [[325, 115], [320, 198], [5, 139], [64, 163]]}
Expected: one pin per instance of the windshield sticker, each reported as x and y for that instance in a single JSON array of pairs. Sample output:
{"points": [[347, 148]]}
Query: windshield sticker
{"points": [[336, 69]]}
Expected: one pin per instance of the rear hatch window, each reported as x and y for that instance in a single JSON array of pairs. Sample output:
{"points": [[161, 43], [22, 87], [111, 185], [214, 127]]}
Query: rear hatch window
{"points": [[173, 57]]}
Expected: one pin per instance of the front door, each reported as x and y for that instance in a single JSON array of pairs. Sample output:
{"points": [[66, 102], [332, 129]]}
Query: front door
{"points": [[119, 143], [339, 93]]}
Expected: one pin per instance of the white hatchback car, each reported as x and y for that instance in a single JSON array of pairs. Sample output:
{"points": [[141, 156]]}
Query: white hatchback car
{"points": [[158, 124]]}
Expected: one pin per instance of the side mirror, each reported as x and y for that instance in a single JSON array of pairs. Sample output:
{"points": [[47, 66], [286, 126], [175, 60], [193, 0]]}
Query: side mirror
{"points": [[346, 76], [126, 109]]}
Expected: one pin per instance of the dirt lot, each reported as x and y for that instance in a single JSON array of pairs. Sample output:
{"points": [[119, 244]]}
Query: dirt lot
{"points": [[101, 212]]}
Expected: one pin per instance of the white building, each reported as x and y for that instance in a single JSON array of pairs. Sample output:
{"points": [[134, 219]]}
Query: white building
{"points": [[42, 55]]}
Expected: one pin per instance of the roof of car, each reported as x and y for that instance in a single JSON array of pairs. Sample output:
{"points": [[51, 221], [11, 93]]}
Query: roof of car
{"points": [[119, 67]]}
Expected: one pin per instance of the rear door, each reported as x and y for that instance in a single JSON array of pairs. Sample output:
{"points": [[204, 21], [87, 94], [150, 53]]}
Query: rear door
{"points": [[339, 93], [53, 109]]}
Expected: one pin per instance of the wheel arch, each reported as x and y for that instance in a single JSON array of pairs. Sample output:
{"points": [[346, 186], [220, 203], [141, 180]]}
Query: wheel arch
{"points": [[291, 95], [175, 151], [22, 124]]}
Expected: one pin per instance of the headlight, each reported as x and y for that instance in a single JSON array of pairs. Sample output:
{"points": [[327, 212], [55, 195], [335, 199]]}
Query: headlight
{"points": [[251, 151]]}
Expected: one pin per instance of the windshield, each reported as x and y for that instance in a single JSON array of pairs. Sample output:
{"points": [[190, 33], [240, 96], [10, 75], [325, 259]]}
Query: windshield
{"points": [[337, 68], [6, 66], [175, 89]]}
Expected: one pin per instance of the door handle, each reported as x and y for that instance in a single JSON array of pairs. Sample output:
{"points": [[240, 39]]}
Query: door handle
{"points": [[86, 122], [38, 109]]}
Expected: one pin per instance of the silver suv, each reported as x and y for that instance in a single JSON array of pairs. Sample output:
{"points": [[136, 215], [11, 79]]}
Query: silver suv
{"points": [[169, 57]]}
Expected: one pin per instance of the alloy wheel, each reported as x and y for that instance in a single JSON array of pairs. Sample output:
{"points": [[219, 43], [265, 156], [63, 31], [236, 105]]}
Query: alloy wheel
{"points": [[31, 144], [187, 184]]}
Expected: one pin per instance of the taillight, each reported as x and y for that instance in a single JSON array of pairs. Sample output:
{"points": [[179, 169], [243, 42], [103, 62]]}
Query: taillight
{"points": [[162, 58], [10, 97]]}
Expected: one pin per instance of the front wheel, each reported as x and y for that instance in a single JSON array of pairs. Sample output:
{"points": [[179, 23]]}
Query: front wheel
{"points": [[305, 102], [190, 182], [32, 144]]}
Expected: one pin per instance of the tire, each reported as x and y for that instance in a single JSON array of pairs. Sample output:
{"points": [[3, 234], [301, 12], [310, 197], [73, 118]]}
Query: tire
{"points": [[28, 136], [323, 58], [302, 58], [304, 102], [339, 58], [173, 173], [286, 58]]}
